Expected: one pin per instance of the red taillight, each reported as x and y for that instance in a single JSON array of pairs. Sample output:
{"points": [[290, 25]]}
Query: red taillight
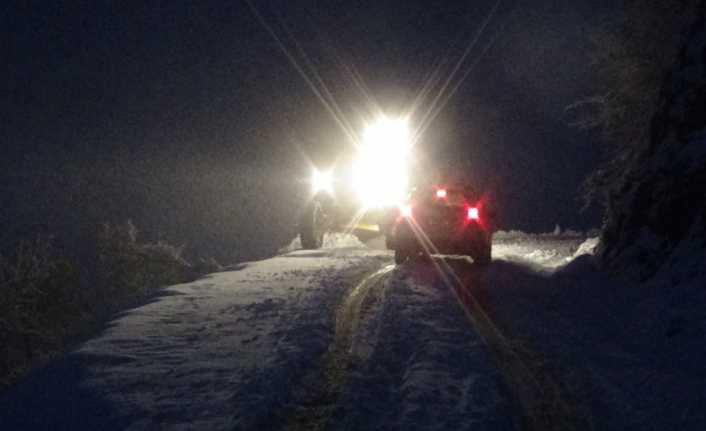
{"points": [[472, 214], [441, 193], [406, 211]]}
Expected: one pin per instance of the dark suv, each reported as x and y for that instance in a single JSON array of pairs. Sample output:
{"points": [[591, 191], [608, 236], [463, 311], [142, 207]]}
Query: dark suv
{"points": [[446, 220]]}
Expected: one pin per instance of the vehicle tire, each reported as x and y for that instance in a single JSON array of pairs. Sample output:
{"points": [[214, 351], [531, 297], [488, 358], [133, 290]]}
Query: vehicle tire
{"points": [[482, 254], [389, 242], [401, 256], [313, 226]]}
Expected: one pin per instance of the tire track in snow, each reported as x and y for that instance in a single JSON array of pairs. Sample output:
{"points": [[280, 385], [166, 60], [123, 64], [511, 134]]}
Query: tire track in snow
{"points": [[317, 396], [542, 402]]}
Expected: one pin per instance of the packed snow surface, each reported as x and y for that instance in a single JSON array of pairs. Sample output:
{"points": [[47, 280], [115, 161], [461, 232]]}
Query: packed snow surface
{"points": [[340, 338], [331, 240]]}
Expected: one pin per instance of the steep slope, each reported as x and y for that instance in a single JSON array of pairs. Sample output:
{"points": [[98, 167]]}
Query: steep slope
{"points": [[660, 208]]}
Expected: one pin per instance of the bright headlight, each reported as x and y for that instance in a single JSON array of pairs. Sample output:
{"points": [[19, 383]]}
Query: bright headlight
{"points": [[322, 181], [380, 174]]}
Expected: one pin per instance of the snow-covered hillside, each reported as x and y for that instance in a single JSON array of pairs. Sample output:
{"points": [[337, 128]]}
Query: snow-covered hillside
{"points": [[656, 206], [341, 338]]}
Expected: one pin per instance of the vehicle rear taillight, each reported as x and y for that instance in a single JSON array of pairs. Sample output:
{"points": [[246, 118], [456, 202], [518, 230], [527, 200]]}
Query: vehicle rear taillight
{"points": [[441, 193], [406, 211], [472, 214]]}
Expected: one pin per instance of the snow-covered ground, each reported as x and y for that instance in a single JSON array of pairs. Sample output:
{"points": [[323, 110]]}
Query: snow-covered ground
{"points": [[218, 353], [629, 355], [339, 338]]}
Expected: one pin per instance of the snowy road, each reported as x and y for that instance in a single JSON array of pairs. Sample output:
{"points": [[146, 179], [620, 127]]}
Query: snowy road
{"points": [[335, 338]]}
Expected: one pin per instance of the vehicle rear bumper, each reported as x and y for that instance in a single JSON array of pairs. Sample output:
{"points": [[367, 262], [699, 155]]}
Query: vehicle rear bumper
{"points": [[441, 239]]}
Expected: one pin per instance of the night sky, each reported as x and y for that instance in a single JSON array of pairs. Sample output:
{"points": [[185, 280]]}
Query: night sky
{"points": [[191, 120]]}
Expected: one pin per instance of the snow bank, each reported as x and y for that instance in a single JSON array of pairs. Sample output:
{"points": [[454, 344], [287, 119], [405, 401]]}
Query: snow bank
{"points": [[558, 232], [631, 357], [331, 240], [587, 247], [544, 252]]}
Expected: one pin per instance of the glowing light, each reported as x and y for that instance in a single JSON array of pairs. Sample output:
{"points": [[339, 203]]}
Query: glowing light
{"points": [[380, 173], [441, 193], [473, 214], [406, 211], [322, 181]]}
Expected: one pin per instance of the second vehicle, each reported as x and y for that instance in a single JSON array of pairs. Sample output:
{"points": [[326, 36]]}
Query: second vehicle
{"points": [[446, 220]]}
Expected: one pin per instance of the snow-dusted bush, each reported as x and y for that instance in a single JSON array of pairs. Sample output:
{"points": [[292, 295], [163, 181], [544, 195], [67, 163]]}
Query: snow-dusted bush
{"points": [[632, 53], [47, 300], [129, 265], [39, 303], [206, 266]]}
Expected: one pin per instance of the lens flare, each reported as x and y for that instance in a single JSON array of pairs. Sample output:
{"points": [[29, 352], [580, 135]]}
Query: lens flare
{"points": [[380, 173], [322, 181], [406, 211]]}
